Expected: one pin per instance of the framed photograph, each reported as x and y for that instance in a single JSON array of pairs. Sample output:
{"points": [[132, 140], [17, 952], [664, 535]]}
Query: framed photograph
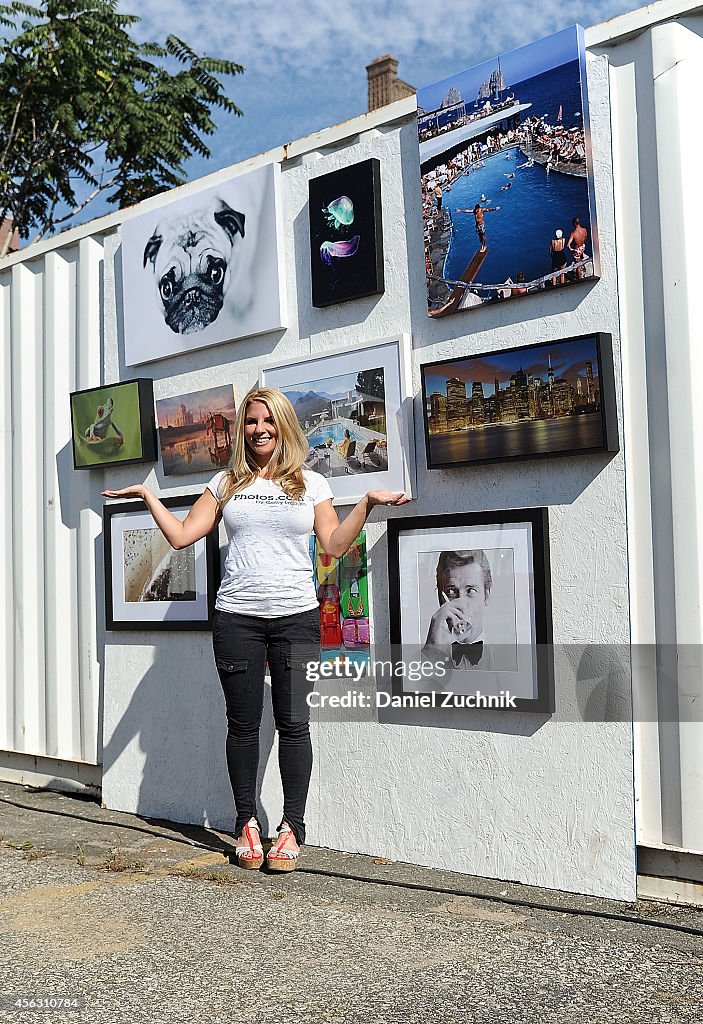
{"points": [[149, 585], [470, 594], [355, 409], [346, 234], [204, 269], [195, 430], [113, 425], [507, 178], [553, 398]]}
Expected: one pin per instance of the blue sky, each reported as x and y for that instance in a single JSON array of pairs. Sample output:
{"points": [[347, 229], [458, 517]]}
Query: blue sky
{"points": [[328, 385], [306, 59]]}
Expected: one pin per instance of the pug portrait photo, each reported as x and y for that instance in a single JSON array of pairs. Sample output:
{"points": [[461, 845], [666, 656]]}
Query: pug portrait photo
{"points": [[192, 259], [203, 269]]}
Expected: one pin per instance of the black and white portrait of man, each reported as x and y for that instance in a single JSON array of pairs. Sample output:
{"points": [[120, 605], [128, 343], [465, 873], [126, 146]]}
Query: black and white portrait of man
{"points": [[459, 628], [203, 269], [466, 601]]}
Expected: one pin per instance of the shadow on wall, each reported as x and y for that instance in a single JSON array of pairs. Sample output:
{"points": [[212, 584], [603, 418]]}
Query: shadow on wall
{"points": [[164, 752], [313, 320], [592, 682], [78, 496]]}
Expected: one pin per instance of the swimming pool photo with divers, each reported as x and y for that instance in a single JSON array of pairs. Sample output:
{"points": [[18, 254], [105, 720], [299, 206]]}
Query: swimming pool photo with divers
{"points": [[517, 235]]}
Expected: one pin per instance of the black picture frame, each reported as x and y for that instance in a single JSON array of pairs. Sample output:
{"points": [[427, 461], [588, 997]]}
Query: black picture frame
{"points": [[121, 445], [524, 542], [152, 613], [353, 191], [597, 428]]}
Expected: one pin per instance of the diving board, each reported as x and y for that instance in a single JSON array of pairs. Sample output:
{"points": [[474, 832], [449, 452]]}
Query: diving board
{"points": [[452, 303]]}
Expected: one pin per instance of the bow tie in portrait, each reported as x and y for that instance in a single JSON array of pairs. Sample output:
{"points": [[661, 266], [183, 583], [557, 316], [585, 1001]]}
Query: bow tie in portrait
{"points": [[471, 652]]}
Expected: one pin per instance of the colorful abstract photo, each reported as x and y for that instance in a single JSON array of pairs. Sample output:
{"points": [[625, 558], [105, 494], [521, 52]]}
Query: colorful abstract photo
{"points": [[507, 188], [343, 596]]}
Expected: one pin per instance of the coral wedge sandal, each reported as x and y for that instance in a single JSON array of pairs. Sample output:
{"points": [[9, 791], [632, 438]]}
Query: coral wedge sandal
{"points": [[250, 856], [278, 859]]}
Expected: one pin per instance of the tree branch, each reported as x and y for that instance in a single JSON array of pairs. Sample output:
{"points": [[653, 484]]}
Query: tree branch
{"points": [[11, 133], [50, 223]]}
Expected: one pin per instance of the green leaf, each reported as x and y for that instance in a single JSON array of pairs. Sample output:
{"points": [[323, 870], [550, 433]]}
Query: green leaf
{"points": [[79, 95]]}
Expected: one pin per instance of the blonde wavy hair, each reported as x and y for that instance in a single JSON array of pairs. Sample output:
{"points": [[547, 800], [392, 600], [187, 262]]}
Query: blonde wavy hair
{"points": [[285, 466]]}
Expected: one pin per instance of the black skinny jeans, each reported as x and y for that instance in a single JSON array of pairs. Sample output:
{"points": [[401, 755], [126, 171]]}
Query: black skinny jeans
{"points": [[242, 645]]}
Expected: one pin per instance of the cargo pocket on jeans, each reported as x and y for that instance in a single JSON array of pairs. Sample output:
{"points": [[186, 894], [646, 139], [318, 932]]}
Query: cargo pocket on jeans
{"points": [[232, 673]]}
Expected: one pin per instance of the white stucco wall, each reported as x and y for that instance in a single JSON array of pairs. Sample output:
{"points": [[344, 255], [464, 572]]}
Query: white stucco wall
{"points": [[546, 801], [655, 87]]}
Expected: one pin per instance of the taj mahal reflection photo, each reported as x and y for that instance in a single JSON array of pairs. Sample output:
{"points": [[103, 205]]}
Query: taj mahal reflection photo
{"points": [[553, 398]]}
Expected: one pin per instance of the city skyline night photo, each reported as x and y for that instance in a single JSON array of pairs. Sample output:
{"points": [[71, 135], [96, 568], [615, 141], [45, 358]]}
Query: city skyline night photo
{"points": [[537, 400]]}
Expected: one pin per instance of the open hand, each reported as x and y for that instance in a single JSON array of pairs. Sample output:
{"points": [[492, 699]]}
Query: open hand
{"points": [[134, 491], [386, 498]]}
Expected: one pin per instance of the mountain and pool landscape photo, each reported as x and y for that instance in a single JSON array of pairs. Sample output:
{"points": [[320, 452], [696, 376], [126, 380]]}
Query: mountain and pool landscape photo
{"points": [[344, 421]]}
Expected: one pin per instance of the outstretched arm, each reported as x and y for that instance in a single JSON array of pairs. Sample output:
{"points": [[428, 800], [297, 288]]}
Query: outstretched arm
{"points": [[335, 537], [202, 518]]}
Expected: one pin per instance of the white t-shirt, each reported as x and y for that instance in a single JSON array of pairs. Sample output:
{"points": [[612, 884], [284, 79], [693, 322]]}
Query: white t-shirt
{"points": [[268, 571]]}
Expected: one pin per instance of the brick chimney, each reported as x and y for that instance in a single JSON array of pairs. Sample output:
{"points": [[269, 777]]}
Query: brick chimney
{"points": [[384, 85], [5, 230]]}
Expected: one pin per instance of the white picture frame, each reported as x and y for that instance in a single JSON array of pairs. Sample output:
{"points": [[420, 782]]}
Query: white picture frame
{"points": [[205, 268], [380, 452]]}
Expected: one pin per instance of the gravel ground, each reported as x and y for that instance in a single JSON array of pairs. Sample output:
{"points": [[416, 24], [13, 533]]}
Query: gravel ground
{"points": [[175, 933]]}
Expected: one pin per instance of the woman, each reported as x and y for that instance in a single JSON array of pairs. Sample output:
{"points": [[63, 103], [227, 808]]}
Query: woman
{"points": [[343, 446], [556, 251], [266, 607]]}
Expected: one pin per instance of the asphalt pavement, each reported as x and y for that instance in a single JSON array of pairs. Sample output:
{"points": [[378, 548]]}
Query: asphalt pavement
{"points": [[107, 917]]}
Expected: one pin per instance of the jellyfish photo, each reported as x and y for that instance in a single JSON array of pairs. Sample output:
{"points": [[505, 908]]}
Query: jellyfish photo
{"points": [[344, 209], [328, 250], [339, 213]]}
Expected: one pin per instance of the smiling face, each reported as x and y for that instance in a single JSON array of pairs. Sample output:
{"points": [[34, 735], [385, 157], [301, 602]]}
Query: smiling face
{"points": [[260, 432], [463, 585]]}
